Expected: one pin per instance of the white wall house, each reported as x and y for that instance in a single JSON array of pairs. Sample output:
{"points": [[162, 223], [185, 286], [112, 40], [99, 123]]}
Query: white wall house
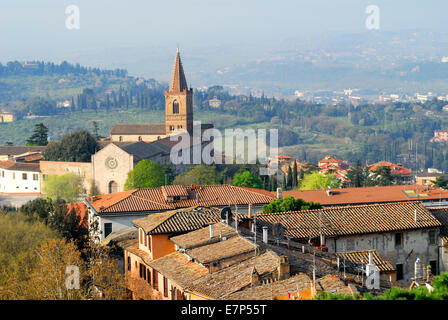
{"points": [[19, 178]]}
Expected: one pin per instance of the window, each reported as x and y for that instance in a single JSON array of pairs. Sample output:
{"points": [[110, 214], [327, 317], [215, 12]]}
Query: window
{"points": [[24, 176], [129, 264], [432, 237], [139, 138], [399, 268], [179, 126], [433, 265], [120, 138], [180, 296], [107, 229], [149, 242], [398, 240], [113, 187], [155, 279], [165, 286], [146, 239], [171, 128], [175, 107], [141, 236], [148, 276], [35, 176]]}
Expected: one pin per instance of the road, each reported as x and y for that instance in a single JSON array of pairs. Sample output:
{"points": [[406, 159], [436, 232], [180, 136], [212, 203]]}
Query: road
{"points": [[15, 200]]}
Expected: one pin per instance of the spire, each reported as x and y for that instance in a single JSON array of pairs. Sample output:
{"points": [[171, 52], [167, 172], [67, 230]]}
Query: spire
{"points": [[178, 81]]}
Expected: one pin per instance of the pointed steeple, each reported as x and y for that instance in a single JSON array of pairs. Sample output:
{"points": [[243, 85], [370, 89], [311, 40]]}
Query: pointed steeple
{"points": [[178, 81]]}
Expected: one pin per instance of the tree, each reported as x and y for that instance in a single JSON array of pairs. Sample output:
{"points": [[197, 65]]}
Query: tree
{"points": [[67, 187], [48, 279], [77, 146], [39, 136], [146, 174], [247, 179], [316, 180], [200, 174], [441, 182], [289, 204], [358, 176], [294, 175]]}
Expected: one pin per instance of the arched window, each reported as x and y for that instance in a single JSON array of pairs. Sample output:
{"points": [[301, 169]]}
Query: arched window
{"points": [[113, 187], [175, 107], [140, 138], [121, 138]]}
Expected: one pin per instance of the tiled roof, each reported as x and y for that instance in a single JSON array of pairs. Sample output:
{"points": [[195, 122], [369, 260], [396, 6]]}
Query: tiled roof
{"points": [[351, 220], [139, 129], [18, 150], [177, 221], [394, 169], [272, 290], [201, 237], [441, 214], [222, 283], [176, 267], [19, 166], [362, 258], [365, 195], [151, 199], [221, 250], [173, 191]]}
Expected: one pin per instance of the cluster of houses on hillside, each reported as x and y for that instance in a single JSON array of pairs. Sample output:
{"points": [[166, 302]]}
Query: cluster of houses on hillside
{"points": [[213, 242], [339, 168]]}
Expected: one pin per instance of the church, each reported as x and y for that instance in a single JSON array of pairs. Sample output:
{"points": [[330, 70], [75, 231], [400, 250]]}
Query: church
{"points": [[130, 143], [178, 113]]}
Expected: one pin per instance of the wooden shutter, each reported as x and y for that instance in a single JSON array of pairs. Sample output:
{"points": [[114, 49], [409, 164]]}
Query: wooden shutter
{"points": [[155, 280], [165, 286]]}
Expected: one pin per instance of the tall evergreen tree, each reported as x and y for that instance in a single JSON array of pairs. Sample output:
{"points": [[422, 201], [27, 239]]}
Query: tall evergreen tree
{"points": [[39, 136]]}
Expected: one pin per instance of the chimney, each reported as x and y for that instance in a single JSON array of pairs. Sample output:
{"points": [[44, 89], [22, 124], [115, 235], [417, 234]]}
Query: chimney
{"points": [[329, 191], [279, 193], [415, 215], [370, 257], [255, 276], [249, 209], [265, 234], [283, 268], [418, 269], [212, 231]]}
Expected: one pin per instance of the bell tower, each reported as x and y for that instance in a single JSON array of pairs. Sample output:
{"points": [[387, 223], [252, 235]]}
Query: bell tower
{"points": [[178, 101]]}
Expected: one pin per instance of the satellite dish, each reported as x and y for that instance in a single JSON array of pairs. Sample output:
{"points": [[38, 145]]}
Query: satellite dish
{"points": [[226, 212]]}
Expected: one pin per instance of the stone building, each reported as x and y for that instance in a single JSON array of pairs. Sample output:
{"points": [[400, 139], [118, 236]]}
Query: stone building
{"points": [[178, 113], [399, 232]]}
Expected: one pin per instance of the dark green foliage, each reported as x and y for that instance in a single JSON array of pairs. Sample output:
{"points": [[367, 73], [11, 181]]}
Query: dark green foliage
{"points": [[247, 179], [77, 146], [289, 204], [39, 136]]}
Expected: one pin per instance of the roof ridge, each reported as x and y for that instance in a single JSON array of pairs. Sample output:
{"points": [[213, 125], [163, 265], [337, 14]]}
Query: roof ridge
{"points": [[348, 206]]}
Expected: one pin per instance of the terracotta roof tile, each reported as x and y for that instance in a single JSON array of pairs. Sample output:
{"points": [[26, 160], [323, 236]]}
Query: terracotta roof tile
{"points": [[224, 282], [152, 199], [177, 221], [201, 237], [365, 195], [351, 220], [19, 166], [177, 267], [221, 250], [362, 258]]}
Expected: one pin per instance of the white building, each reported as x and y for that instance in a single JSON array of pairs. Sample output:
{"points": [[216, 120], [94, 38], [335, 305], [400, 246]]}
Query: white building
{"points": [[19, 178]]}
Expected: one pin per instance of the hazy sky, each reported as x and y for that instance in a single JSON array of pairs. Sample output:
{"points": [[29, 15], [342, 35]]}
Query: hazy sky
{"points": [[35, 29]]}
